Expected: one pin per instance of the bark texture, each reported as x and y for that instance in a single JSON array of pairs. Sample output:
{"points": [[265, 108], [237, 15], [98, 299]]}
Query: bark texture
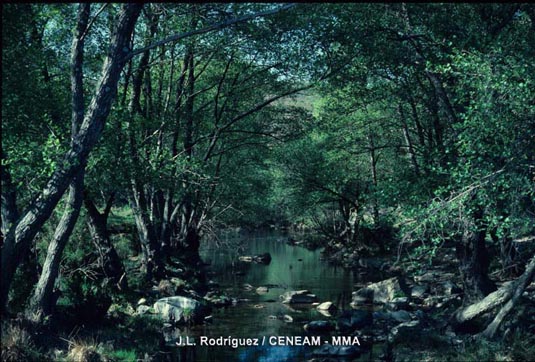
{"points": [[518, 290], [42, 301], [109, 261], [21, 235]]}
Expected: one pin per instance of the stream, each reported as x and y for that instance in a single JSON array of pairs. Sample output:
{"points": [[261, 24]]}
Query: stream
{"points": [[262, 314]]}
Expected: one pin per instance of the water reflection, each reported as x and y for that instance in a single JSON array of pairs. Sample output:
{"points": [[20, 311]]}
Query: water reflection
{"points": [[262, 314]]}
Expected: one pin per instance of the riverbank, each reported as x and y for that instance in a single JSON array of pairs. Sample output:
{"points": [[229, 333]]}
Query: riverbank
{"points": [[428, 291], [236, 291]]}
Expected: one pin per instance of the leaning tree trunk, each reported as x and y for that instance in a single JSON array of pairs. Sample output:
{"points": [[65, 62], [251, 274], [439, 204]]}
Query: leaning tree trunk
{"points": [[21, 235], [42, 301], [109, 260], [474, 262], [507, 296], [520, 286]]}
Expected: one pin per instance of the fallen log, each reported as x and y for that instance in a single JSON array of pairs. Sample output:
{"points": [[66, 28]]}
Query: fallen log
{"points": [[491, 301], [508, 294], [521, 284]]}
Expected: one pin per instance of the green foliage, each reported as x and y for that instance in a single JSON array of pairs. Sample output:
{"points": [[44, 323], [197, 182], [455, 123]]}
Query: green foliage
{"points": [[123, 355]]}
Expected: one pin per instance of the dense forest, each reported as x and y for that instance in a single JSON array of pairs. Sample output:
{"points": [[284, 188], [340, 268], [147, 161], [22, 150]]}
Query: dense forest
{"points": [[396, 138]]}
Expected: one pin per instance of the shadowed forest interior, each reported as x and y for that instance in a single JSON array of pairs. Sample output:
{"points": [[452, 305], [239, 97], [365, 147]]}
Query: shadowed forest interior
{"points": [[255, 169]]}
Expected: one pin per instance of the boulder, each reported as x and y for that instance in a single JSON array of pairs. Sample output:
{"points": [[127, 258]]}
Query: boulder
{"points": [[381, 292], [179, 309], [298, 297], [418, 291], [406, 331], [380, 315], [400, 316], [325, 313], [262, 290], [420, 314], [352, 320], [361, 297], [428, 277], [398, 303], [142, 309], [326, 306], [319, 326], [433, 277]]}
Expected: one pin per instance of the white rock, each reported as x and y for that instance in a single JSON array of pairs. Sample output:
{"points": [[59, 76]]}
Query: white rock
{"points": [[177, 309], [326, 306]]}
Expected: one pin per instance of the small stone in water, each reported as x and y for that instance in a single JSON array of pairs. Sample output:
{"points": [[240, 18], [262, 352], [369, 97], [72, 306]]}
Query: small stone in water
{"points": [[288, 319]]}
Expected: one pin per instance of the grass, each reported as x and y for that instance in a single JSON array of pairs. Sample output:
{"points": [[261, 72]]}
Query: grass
{"points": [[124, 338], [84, 351], [91, 351], [17, 345]]}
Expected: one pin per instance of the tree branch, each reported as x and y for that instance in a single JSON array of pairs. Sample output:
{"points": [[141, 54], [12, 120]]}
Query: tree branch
{"points": [[218, 26]]}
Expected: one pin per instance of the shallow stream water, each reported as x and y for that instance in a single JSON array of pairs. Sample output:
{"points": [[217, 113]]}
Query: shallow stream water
{"points": [[259, 315]]}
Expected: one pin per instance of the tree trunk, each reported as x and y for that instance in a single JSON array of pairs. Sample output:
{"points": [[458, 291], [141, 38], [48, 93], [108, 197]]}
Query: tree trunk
{"points": [[166, 227], [141, 202], [408, 140], [43, 301], [189, 233], [491, 301], [474, 261], [192, 240], [21, 235], [10, 213], [108, 258], [520, 286], [373, 168], [151, 259], [509, 293]]}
